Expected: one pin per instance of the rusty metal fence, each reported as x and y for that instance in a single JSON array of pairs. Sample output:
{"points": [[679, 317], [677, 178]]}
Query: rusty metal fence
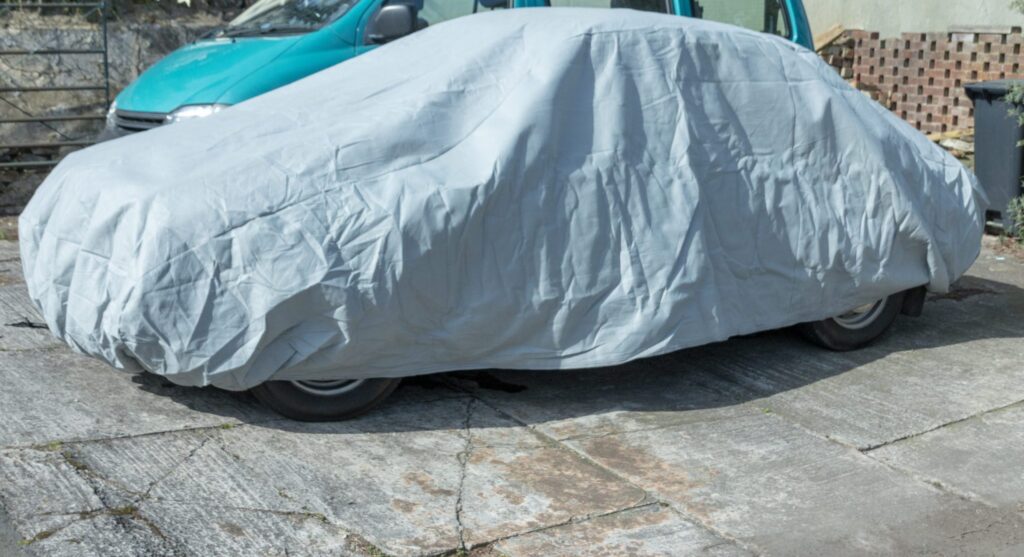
{"points": [[62, 141]]}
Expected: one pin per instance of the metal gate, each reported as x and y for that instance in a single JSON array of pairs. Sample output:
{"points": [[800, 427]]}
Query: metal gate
{"points": [[52, 150]]}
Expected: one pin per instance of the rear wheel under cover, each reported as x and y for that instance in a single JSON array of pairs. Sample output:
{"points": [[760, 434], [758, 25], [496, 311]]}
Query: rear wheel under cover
{"points": [[324, 400], [856, 328]]}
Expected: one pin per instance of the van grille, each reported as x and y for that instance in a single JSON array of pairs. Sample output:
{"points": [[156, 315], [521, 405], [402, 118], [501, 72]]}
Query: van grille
{"points": [[131, 122]]}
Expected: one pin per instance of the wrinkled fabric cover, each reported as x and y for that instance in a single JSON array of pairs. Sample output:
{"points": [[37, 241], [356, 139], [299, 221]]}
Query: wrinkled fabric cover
{"points": [[533, 189]]}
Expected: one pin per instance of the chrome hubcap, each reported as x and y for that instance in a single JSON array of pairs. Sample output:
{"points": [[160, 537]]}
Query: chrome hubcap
{"points": [[862, 316], [328, 387]]}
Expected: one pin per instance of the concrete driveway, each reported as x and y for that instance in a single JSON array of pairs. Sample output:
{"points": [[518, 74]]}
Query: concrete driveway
{"points": [[759, 445]]}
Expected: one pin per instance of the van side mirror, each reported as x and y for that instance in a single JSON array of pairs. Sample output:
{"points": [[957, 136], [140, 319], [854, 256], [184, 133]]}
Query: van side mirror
{"points": [[393, 21]]}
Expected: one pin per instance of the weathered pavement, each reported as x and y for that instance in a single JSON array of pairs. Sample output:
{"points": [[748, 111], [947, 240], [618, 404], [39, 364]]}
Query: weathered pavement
{"points": [[759, 445]]}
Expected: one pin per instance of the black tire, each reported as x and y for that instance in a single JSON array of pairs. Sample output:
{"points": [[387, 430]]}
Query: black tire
{"points": [[854, 330], [324, 401]]}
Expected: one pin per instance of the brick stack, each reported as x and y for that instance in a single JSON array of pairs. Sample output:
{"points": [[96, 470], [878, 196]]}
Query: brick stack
{"points": [[921, 76], [841, 55]]}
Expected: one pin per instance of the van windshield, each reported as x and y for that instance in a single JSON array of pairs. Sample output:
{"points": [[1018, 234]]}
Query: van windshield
{"points": [[287, 16], [768, 16]]}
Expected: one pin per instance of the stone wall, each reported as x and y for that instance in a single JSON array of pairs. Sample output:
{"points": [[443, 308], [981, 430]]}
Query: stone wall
{"points": [[921, 76], [133, 46], [136, 38]]}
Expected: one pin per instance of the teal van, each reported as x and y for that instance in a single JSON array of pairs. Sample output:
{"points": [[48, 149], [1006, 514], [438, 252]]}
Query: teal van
{"points": [[276, 42]]}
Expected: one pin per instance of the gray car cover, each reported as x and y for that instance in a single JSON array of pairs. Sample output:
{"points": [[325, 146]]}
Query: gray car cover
{"points": [[531, 189]]}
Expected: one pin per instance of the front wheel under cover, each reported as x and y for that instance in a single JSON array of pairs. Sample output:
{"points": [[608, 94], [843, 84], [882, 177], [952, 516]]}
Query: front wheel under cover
{"points": [[324, 401], [856, 328]]}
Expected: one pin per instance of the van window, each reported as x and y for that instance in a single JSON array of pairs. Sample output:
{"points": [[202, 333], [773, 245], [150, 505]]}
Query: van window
{"points": [[290, 15], [433, 12], [645, 5], [768, 16]]}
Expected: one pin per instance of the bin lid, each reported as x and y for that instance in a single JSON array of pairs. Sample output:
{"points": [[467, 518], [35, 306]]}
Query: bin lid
{"points": [[992, 88]]}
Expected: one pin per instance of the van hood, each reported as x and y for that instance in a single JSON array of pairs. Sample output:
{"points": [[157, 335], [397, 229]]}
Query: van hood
{"points": [[202, 72]]}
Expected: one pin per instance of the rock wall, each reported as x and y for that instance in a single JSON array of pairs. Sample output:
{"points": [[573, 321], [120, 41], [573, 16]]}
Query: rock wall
{"points": [[133, 46], [136, 39]]}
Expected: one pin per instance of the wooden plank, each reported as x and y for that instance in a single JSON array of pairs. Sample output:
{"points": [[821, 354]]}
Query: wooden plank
{"points": [[979, 29], [828, 37], [954, 134], [24, 120], [45, 144], [29, 164]]}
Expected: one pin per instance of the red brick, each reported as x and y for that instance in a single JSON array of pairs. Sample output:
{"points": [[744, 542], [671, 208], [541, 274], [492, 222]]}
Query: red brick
{"points": [[921, 76]]}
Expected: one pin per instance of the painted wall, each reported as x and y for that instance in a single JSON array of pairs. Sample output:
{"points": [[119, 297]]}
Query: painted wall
{"points": [[892, 17]]}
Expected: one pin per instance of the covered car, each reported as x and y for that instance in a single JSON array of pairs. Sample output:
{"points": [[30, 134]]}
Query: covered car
{"points": [[528, 189]]}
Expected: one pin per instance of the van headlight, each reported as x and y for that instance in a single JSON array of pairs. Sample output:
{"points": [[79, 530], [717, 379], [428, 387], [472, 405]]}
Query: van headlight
{"points": [[191, 111]]}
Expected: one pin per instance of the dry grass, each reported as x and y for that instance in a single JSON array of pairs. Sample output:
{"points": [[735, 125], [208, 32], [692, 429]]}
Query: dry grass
{"points": [[1005, 245], [8, 228]]}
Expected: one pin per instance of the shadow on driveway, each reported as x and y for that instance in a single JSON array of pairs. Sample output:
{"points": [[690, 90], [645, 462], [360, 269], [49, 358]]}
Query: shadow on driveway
{"points": [[728, 373]]}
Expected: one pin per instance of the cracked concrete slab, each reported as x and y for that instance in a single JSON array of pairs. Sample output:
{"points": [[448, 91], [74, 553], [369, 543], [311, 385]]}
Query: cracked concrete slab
{"points": [[646, 531], [927, 372], [413, 478], [21, 326], [785, 491], [224, 530], [10, 541], [745, 446], [10, 264], [970, 457], [56, 511], [887, 391], [61, 396], [638, 395]]}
